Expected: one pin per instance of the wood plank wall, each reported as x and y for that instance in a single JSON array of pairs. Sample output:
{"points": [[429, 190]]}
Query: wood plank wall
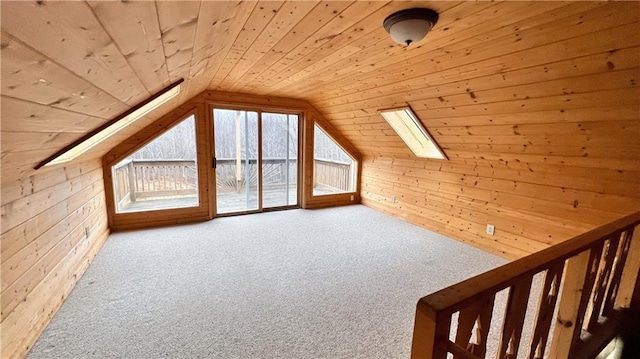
{"points": [[53, 224], [542, 130]]}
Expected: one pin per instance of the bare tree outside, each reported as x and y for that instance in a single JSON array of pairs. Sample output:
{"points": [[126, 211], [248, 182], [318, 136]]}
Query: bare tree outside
{"points": [[178, 143]]}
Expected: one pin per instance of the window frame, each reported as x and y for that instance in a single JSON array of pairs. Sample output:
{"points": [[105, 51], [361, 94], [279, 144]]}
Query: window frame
{"points": [[418, 130], [354, 168]]}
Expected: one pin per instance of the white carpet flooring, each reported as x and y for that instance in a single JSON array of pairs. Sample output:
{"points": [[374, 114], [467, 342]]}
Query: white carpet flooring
{"points": [[331, 283]]}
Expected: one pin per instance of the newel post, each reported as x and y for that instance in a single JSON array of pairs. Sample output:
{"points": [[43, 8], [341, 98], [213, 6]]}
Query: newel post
{"points": [[428, 331]]}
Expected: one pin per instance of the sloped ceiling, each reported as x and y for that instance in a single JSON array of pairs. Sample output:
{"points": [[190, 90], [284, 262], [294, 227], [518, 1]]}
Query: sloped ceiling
{"points": [[68, 67]]}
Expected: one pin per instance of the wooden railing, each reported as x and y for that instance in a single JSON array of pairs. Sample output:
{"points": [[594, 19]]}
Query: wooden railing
{"points": [[274, 173], [592, 276], [145, 179], [332, 174], [148, 179]]}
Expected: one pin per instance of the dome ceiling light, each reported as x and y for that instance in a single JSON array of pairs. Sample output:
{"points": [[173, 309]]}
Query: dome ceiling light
{"points": [[410, 25]]}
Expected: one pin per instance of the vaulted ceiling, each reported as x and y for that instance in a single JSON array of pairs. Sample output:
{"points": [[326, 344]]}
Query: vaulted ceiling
{"points": [[68, 67]]}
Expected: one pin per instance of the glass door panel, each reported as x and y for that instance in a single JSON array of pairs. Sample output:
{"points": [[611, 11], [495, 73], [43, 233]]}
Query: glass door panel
{"points": [[236, 152], [279, 160]]}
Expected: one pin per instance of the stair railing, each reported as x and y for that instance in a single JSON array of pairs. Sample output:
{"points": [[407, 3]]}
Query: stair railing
{"points": [[591, 277]]}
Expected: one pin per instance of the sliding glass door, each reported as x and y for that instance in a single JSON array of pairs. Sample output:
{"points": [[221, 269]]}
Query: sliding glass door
{"points": [[279, 160], [256, 161], [236, 160]]}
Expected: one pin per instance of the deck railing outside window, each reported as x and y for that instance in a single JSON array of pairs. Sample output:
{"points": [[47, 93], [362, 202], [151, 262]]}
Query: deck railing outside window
{"points": [[137, 180], [333, 175], [143, 180]]}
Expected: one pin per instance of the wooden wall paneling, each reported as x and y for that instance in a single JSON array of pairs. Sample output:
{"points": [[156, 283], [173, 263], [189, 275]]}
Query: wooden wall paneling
{"points": [[460, 207], [600, 63], [260, 17], [18, 263], [30, 76], [369, 120], [438, 222], [255, 101], [557, 200], [523, 37], [21, 235], [53, 224], [27, 207], [22, 328], [218, 26], [134, 27], [70, 34], [365, 44], [21, 115], [26, 278], [618, 97], [11, 191], [439, 101], [458, 33], [42, 140], [314, 29], [285, 19], [506, 159], [494, 178], [178, 22], [460, 93], [609, 127]]}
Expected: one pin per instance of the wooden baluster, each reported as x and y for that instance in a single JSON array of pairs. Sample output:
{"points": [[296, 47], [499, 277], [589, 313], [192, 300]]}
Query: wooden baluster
{"points": [[620, 263], [478, 316], [163, 173], [586, 305], [430, 333], [140, 179], [578, 279], [547, 304], [154, 178], [603, 282], [514, 318], [132, 181], [629, 276]]}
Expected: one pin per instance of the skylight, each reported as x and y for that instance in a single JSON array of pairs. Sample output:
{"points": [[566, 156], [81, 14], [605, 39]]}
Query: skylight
{"points": [[99, 135], [411, 131]]}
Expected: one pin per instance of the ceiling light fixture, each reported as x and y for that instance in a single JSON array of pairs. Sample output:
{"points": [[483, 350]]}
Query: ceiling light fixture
{"points": [[410, 25]]}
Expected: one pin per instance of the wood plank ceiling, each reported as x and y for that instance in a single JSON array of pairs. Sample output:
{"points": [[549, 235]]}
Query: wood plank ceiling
{"points": [[493, 81]]}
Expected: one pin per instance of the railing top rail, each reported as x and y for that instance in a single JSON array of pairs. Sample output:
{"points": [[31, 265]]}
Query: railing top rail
{"points": [[451, 299], [292, 159], [122, 164], [332, 161], [158, 160]]}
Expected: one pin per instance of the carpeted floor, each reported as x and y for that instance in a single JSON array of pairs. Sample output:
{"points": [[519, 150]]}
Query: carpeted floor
{"points": [[332, 283]]}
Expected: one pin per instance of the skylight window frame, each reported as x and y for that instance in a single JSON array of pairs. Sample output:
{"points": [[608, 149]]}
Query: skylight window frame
{"points": [[88, 141], [417, 130]]}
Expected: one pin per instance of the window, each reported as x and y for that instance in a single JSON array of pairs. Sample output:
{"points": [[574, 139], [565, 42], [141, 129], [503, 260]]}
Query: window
{"points": [[114, 126], [411, 131], [161, 175], [333, 169]]}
